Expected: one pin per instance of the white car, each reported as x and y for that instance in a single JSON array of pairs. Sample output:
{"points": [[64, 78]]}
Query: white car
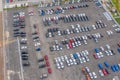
{"points": [[79, 43], [62, 65], [76, 43], [23, 47], [101, 48], [68, 63], [59, 33], [85, 42], [68, 31], [101, 54], [37, 44], [59, 59], [71, 55], [72, 26], [91, 75], [58, 65], [110, 52], [101, 73], [54, 47], [57, 47], [24, 39], [77, 30], [71, 61], [107, 53], [87, 69], [87, 58], [65, 56], [83, 59], [119, 65], [94, 75], [62, 58], [67, 46], [55, 60], [86, 51], [74, 61], [93, 26], [73, 44], [107, 46], [50, 34], [78, 54]]}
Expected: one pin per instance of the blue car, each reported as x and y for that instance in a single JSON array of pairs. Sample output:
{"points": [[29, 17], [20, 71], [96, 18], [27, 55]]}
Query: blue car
{"points": [[96, 50], [107, 64], [38, 49], [116, 67], [113, 68], [100, 66], [75, 56], [118, 49]]}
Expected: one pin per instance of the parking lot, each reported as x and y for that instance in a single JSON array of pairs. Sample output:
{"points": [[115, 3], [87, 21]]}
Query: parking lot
{"points": [[37, 48]]}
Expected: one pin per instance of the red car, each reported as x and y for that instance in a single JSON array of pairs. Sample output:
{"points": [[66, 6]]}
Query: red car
{"points": [[105, 72], [47, 64], [46, 57], [118, 44], [70, 45], [49, 70], [71, 41], [95, 56]]}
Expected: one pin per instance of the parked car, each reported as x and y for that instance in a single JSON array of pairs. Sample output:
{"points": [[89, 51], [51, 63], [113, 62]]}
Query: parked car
{"points": [[43, 76], [49, 70], [107, 64], [42, 66], [46, 57], [100, 66]]}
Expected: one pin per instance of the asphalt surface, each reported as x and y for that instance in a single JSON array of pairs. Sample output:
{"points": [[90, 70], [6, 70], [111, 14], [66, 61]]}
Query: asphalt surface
{"points": [[69, 73]]}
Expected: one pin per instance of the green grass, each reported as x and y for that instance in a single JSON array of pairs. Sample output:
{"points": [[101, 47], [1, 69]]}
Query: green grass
{"points": [[117, 5], [118, 20], [15, 8]]}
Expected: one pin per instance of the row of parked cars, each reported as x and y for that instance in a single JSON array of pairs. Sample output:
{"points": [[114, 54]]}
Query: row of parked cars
{"points": [[104, 71], [51, 32], [99, 52], [117, 28], [73, 59], [89, 74], [19, 25], [74, 41], [60, 9], [43, 63], [66, 18], [36, 38], [118, 44]]}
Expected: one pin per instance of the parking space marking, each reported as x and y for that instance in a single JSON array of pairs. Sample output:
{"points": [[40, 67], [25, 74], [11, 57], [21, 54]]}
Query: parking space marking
{"points": [[21, 67]]}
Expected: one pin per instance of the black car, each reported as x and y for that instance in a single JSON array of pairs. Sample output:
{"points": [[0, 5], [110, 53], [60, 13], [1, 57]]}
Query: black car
{"points": [[42, 66], [41, 60], [16, 30], [35, 37], [24, 55], [24, 58], [23, 35], [16, 35], [51, 49], [22, 32], [34, 33], [22, 26], [27, 63]]}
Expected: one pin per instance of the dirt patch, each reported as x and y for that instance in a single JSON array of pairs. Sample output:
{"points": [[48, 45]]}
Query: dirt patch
{"points": [[1, 54]]}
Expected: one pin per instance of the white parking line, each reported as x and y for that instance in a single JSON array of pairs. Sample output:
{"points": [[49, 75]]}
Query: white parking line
{"points": [[21, 67]]}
